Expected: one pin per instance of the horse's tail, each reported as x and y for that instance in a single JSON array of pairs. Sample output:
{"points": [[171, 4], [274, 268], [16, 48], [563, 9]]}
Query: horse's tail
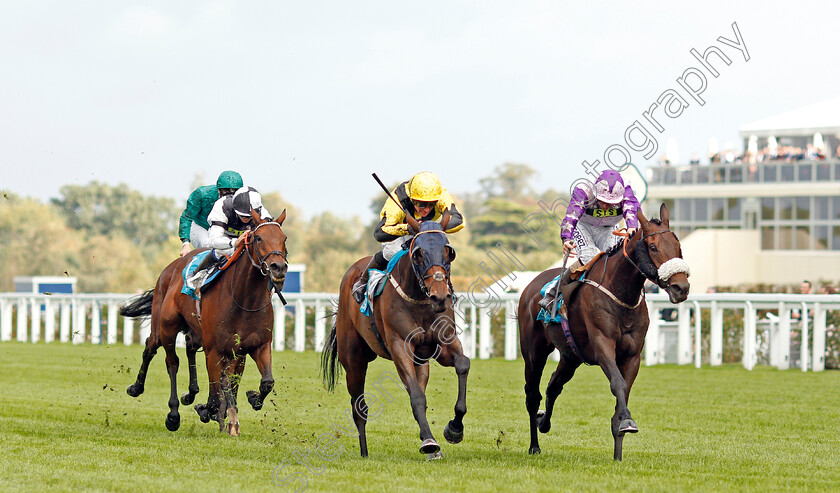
{"points": [[329, 358], [138, 306]]}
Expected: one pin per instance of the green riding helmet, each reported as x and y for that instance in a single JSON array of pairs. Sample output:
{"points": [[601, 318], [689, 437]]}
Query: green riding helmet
{"points": [[229, 179]]}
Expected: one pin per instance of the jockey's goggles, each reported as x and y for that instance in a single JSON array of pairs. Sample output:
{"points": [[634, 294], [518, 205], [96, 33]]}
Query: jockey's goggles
{"points": [[226, 191], [423, 205]]}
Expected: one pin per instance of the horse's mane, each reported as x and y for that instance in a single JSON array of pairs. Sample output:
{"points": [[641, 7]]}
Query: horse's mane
{"points": [[615, 248]]}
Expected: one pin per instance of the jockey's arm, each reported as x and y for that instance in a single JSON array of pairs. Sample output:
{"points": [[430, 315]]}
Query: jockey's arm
{"points": [[630, 209], [456, 221], [577, 206], [219, 240], [216, 236], [391, 224], [190, 211]]}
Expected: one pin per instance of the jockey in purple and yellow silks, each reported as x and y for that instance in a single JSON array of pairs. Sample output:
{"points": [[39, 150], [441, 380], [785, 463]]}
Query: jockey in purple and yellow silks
{"points": [[593, 214], [422, 196]]}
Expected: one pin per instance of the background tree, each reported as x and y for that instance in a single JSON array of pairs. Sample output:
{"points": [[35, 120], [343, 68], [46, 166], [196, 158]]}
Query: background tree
{"points": [[36, 241], [101, 209], [293, 226], [333, 244], [509, 180]]}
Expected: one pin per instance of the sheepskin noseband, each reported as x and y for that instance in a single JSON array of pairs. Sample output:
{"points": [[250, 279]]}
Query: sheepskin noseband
{"points": [[673, 266]]}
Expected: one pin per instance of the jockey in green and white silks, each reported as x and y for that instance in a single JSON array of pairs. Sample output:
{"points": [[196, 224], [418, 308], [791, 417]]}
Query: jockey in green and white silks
{"points": [[594, 213], [193, 226]]}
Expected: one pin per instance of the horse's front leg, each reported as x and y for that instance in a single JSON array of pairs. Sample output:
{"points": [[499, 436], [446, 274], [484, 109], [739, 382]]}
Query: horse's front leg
{"points": [[404, 361], [209, 411], [453, 355], [620, 425], [262, 357], [621, 422], [231, 376]]}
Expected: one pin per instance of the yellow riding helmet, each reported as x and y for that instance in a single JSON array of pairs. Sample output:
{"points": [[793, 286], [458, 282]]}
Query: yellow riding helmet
{"points": [[425, 187]]}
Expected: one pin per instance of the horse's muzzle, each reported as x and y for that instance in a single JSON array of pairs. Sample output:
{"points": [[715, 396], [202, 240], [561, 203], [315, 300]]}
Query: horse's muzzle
{"points": [[277, 271], [439, 302], [678, 288]]}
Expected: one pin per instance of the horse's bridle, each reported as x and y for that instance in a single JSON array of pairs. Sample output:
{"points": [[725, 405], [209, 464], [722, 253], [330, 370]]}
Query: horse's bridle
{"points": [[262, 266], [421, 277], [658, 281]]}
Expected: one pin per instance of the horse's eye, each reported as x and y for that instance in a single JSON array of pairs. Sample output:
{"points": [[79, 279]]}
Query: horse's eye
{"points": [[652, 247], [257, 239]]}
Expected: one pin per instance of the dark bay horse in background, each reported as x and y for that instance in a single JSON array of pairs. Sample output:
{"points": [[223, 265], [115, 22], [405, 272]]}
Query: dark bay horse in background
{"points": [[236, 319], [414, 322], [607, 320]]}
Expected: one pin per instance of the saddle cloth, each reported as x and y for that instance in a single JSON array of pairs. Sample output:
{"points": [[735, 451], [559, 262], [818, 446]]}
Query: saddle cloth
{"points": [[543, 314], [194, 282], [376, 282]]}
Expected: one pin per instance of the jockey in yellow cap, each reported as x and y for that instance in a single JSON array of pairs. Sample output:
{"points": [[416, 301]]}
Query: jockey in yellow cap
{"points": [[424, 197]]}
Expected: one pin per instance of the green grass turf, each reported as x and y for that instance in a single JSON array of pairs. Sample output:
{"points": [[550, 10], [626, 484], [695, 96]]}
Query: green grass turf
{"points": [[67, 424]]}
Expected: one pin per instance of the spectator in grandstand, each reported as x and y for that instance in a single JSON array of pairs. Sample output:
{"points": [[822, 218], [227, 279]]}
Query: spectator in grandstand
{"points": [[828, 289]]}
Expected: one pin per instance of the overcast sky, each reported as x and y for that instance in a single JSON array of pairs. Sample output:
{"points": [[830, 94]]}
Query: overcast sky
{"points": [[308, 98]]}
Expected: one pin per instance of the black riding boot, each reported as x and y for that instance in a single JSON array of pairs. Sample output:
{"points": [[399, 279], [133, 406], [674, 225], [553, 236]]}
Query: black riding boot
{"points": [[377, 262], [207, 262], [552, 293]]}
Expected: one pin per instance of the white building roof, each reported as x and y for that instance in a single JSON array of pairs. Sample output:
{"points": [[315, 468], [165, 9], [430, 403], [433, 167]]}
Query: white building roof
{"points": [[823, 117]]}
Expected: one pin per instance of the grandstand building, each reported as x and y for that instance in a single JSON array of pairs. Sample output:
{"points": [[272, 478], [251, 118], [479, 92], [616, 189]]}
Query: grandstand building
{"points": [[772, 216]]}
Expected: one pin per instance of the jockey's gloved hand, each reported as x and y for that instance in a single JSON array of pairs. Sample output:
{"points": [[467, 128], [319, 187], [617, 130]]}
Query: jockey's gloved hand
{"points": [[568, 245], [631, 232]]}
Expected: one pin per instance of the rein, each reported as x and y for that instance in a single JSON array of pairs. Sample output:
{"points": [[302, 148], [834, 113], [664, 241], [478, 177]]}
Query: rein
{"points": [[262, 266], [609, 293]]}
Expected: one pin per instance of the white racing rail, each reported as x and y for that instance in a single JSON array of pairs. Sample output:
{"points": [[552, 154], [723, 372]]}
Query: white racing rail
{"points": [[94, 318]]}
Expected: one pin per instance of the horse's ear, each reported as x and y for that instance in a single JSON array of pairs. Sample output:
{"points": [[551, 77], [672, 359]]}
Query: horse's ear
{"points": [[256, 217], [444, 220], [643, 222], [664, 215], [282, 218]]}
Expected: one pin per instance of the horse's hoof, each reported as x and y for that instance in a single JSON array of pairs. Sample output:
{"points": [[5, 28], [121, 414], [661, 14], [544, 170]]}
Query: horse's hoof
{"points": [[254, 400], [187, 398], [451, 435], [134, 390], [232, 429], [173, 422], [543, 424], [429, 446], [627, 426], [435, 456], [203, 414], [534, 451]]}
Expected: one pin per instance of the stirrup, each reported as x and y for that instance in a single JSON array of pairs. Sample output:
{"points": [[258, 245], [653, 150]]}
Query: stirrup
{"points": [[546, 301]]}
